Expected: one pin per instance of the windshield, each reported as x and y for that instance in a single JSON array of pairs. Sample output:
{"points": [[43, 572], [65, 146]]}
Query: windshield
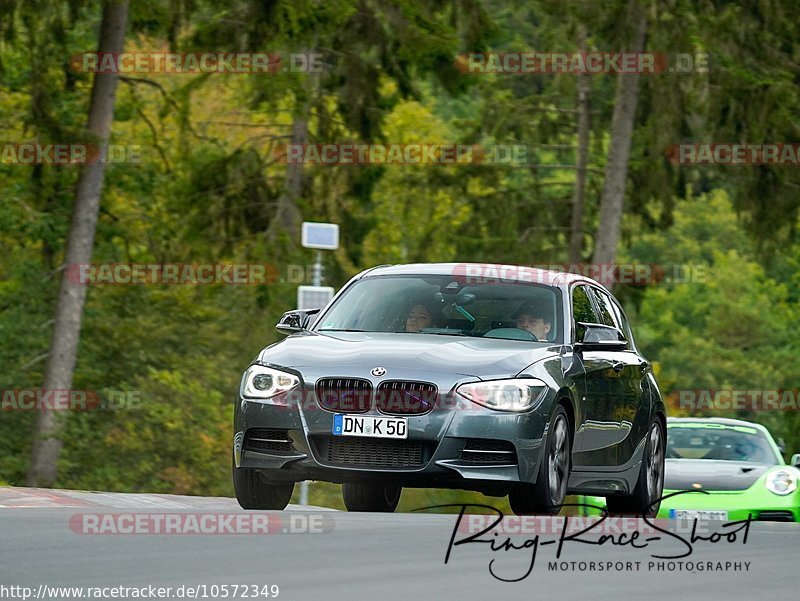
{"points": [[443, 305], [718, 441]]}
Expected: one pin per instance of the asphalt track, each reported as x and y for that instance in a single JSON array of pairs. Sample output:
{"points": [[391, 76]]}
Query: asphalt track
{"points": [[44, 541]]}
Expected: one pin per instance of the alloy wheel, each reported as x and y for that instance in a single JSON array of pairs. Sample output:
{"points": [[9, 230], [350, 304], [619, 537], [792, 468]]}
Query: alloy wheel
{"points": [[655, 465], [558, 466]]}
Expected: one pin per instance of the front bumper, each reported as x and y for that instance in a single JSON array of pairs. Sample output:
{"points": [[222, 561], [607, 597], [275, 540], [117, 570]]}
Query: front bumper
{"points": [[755, 501], [436, 441], [760, 504]]}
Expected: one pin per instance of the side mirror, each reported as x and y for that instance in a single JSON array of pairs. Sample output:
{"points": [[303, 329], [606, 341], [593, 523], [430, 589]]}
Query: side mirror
{"points": [[796, 460], [295, 321], [599, 337]]}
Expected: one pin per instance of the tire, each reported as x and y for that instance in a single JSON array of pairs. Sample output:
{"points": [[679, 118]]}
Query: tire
{"points": [[254, 492], [646, 497], [547, 495], [370, 497]]}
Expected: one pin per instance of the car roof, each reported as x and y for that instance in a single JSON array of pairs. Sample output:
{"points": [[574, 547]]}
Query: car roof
{"points": [[723, 421], [484, 272]]}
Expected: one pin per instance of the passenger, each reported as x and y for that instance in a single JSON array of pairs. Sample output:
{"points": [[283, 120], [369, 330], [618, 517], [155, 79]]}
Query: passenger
{"points": [[419, 317]]}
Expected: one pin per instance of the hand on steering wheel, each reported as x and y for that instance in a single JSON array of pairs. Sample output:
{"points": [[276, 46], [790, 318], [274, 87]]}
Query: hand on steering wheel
{"points": [[531, 334]]}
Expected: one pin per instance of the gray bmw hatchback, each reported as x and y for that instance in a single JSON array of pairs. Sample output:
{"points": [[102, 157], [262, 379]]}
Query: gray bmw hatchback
{"points": [[501, 379]]}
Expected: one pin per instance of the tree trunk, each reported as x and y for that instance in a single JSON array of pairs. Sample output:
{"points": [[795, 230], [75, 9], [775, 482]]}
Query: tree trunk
{"points": [[584, 85], [287, 216], [47, 440], [288, 212], [611, 203]]}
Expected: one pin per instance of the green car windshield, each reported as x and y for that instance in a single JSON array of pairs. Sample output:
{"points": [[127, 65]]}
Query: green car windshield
{"points": [[443, 305], [720, 442]]}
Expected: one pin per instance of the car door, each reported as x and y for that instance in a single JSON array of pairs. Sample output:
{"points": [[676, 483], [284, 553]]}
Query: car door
{"points": [[618, 387], [643, 384], [593, 415]]}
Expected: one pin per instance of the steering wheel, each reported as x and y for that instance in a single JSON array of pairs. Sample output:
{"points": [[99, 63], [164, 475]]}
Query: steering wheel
{"points": [[511, 333], [747, 450]]}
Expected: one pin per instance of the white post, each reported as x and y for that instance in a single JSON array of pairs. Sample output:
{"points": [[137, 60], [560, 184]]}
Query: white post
{"points": [[316, 273], [304, 492], [318, 236], [316, 280]]}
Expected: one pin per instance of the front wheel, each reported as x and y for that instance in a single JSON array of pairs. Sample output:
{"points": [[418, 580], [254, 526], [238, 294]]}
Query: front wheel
{"points": [[359, 496], [646, 496], [547, 495], [253, 492]]}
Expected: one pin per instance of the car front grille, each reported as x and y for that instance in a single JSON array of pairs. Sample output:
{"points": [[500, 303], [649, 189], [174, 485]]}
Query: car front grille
{"points": [[344, 395], [406, 398], [269, 440], [489, 452], [776, 516], [367, 452]]}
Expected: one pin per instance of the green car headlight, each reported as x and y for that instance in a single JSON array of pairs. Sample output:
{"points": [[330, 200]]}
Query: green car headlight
{"points": [[505, 395], [261, 382], [782, 482]]}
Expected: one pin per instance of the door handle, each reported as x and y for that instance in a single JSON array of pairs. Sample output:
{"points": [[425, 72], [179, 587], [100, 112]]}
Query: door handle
{"points": [[617, 366]]}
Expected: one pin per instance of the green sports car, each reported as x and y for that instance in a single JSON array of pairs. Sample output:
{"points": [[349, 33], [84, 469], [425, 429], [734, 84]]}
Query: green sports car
{"points": [[736, 462]]}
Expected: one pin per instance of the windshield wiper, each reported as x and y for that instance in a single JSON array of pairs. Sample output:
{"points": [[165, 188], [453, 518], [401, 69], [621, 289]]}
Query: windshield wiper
{"points": [[441, 333], [339, 330]]}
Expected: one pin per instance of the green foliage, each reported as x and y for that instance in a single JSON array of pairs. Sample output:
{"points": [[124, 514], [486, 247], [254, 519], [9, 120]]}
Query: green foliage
{"points": [[208, 184], [323, 494], [732, 325], [415, 204], [183, 422]]}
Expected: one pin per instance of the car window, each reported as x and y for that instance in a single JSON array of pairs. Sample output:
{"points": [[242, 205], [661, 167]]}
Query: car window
{"points": [[715, 441], [582, 308], [623, 321], [447, 305], [607, 313]]}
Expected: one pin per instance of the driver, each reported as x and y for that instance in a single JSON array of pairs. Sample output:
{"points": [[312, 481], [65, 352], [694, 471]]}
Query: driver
{"points": [[533, 319]]}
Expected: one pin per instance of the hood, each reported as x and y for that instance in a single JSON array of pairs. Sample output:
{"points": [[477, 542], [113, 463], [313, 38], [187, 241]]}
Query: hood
{"points": [[480, 357], [683, 474]]}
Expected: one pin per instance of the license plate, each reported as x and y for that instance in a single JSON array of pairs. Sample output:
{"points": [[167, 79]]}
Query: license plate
{"points": [[698, 514], [376, 427]]}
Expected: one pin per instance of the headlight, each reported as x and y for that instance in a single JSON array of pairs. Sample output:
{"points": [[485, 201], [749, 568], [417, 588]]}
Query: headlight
{"points": [[782, 482], [505, 395], [261, 382]]}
